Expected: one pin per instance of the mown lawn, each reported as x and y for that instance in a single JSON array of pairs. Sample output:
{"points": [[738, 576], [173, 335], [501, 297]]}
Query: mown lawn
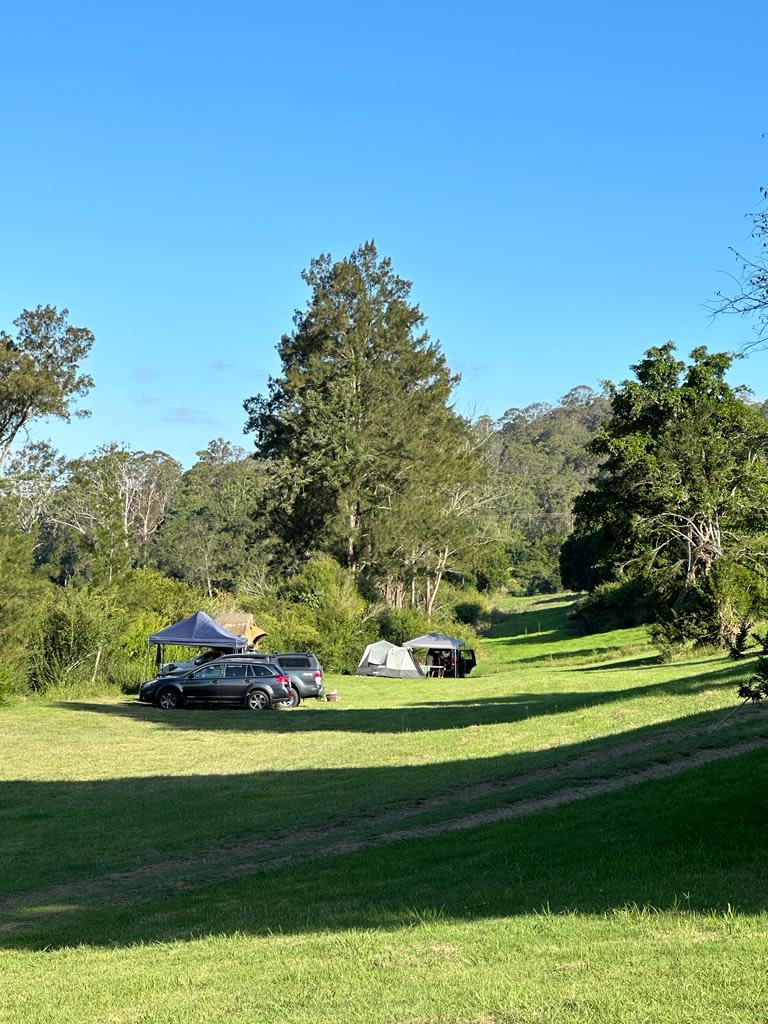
{"points": [[325, 864]]}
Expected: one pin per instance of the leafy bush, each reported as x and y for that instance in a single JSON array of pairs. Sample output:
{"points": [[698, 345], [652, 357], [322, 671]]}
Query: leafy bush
{"points": [[493, 568], [471, 613], [616, 606], [738, 642], [756, 687], [9, 683], [535, 566], [319, 610], [400, 624], [75, 629]]}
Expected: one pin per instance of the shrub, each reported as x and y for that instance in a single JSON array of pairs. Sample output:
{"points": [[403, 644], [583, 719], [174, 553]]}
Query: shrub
{"points": [[756, 687], [616, 606], [738, 642], [319, 610], [400, 624], [471, 613], [76, 627], [9, 683]]}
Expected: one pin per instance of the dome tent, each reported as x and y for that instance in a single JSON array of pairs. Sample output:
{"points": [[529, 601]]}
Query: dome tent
{"points": [[385, 659]]}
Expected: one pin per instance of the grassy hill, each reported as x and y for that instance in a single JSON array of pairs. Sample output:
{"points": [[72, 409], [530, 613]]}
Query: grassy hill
{"points": [[561, 837]]}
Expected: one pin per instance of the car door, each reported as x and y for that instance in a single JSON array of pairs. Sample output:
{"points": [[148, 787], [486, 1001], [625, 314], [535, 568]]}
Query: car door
{"points": [[260, 675], [204, 684], [236, 681]]}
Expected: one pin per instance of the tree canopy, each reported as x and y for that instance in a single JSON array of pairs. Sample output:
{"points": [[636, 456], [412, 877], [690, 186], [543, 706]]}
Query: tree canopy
{"points": [[40, 370], [681, 495], [359, 430]]}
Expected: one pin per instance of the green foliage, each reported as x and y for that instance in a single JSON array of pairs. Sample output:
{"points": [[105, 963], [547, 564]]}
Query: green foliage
{"points": [[544, 462], [22, 595], [107, 509], [368, 460], [320, 610], [681, 496], [756, 687], [492, 567], [534, 561], [762, 640], [580, 561], [616, 605], [400, 624], [77, 624], [213, 533], [739, 642], [40, 370], [471, 613]]}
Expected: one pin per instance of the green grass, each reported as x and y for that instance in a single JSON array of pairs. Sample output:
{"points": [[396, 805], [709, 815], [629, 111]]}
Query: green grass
{"points": [[221, 866]]}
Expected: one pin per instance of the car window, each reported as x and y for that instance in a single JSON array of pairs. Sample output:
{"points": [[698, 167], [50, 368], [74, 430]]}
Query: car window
{"points": [[236, 671], [293, 662], [260, 670], [209, 672]]}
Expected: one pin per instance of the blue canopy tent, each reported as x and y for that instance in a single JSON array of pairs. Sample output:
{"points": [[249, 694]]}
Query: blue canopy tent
{"points": [[197, 630]]}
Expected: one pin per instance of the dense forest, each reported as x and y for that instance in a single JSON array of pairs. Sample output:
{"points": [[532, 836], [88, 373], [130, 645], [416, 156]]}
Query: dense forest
{"points": [[367, 505]]}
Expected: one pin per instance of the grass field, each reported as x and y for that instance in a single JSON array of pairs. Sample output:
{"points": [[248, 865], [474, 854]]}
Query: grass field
{"points": [[563, 837]]}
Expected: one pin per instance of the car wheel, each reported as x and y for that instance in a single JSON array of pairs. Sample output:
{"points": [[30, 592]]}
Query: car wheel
{"points": [[168, 699], [293, 701], [257, 700]]}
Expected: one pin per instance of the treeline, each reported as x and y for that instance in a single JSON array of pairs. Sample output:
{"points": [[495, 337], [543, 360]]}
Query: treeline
{"points": [[368, 506]]}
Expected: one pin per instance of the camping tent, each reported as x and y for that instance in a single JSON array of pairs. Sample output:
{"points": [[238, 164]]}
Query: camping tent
{"points": [[435, 642], [198, 630], [385, 659], [459, 663], [241, 624]]}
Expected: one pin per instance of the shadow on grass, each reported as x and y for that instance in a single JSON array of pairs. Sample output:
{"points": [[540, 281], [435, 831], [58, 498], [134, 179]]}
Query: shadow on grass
{"points": [[550, 624], [693, 842], [648, 661], [424, 715]]}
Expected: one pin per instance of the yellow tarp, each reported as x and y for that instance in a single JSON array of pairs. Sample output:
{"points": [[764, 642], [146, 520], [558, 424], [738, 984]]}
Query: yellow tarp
{"points": [[241, 624]]}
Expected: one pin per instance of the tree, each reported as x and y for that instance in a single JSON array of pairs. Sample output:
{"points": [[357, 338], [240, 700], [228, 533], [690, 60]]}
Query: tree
{"points": [[545, 462], [750, 298], [359, 429], [682, 494], [30, 482], [39, 371], [113, 502], [213, 535]]}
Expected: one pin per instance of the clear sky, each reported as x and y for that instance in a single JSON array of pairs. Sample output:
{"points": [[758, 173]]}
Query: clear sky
{"points": [[560, 181]]}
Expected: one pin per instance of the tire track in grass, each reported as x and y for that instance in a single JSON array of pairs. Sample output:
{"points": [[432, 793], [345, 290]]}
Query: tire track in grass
{"points": [[120, 887]]}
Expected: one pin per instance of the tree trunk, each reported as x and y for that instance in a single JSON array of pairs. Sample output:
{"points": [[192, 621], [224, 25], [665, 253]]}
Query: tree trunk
{"points": [[96, 666]]}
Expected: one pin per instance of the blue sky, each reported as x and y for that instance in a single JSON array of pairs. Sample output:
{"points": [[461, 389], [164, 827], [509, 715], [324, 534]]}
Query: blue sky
{"points": [[561, 182]]}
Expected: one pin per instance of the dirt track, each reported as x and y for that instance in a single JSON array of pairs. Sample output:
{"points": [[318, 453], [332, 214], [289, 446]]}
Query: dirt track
{"points": [[246, 858]]}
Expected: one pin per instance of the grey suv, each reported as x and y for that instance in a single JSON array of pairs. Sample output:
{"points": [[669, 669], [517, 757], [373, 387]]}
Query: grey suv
{"points": [[304, 671], [232, 679]]}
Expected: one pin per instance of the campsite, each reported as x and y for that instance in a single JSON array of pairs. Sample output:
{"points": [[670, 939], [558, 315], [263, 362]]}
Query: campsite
{"points": [[569, 836], [384, 513]]}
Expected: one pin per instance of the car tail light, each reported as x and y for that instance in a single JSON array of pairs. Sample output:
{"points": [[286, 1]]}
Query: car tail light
{"points": [[282, 679], [318, 677]]}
